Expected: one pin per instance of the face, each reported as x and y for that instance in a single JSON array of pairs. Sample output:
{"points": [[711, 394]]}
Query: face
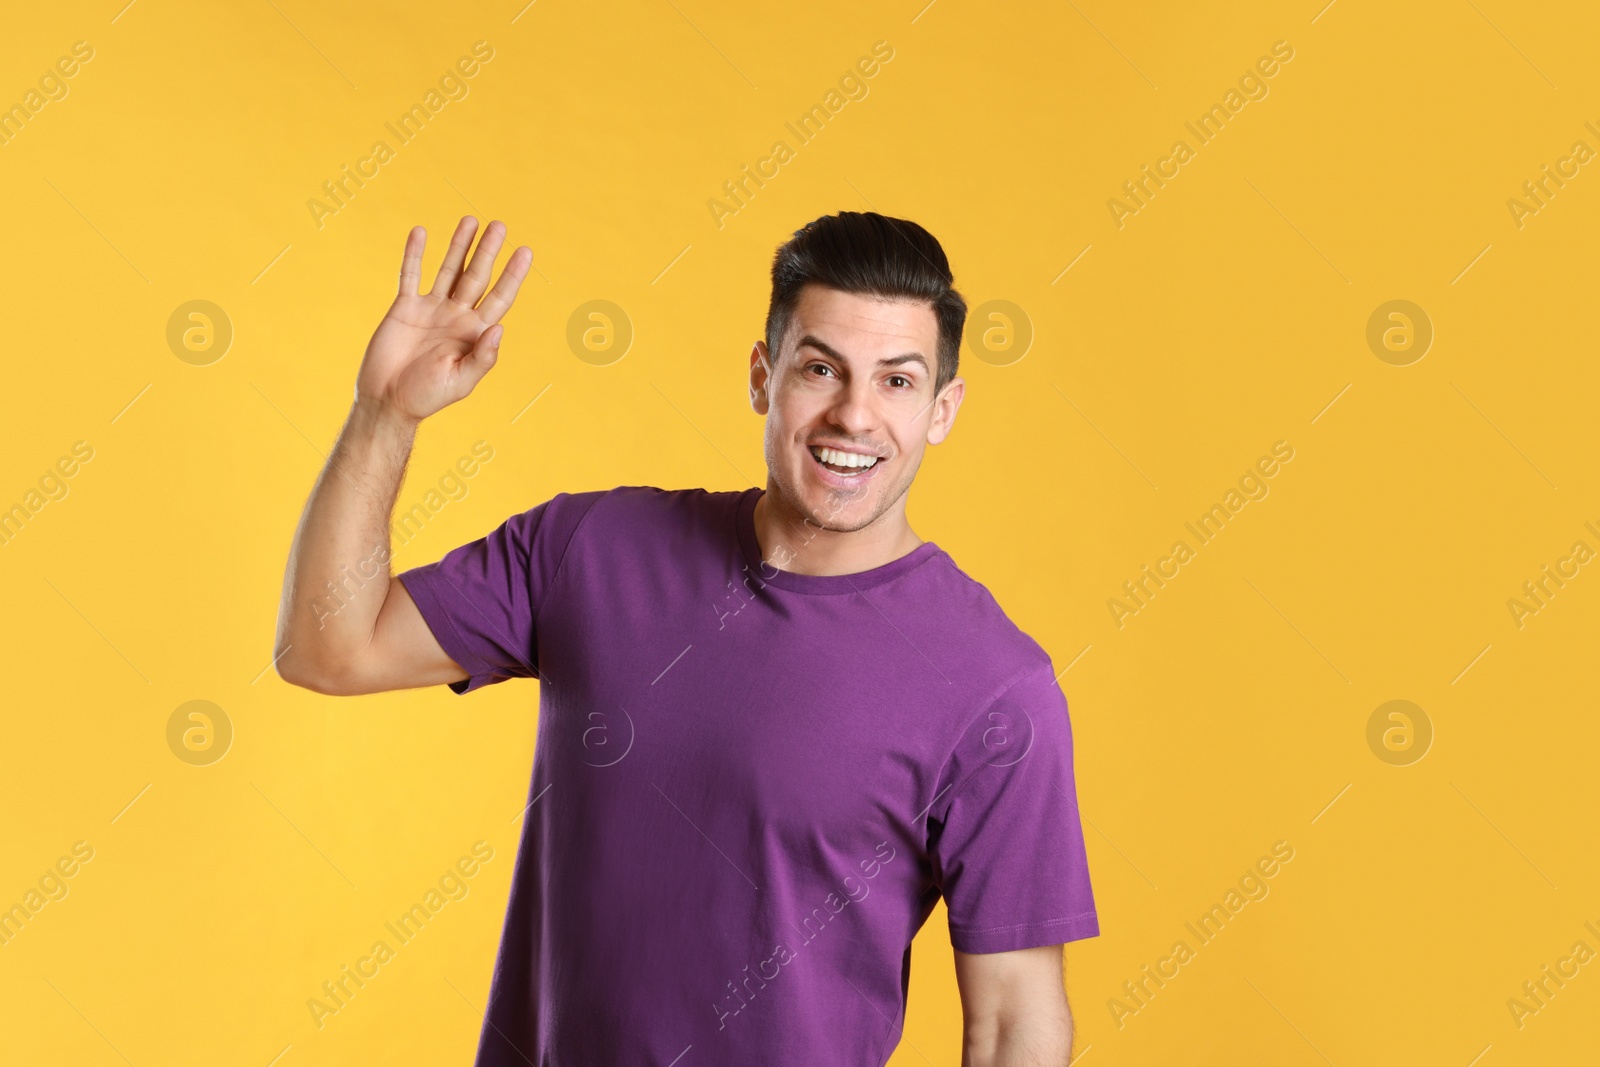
{"points": [[850, 405]]}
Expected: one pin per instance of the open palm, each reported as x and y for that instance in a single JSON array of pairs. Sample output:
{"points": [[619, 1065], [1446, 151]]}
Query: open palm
{"points": [[432, 348]]}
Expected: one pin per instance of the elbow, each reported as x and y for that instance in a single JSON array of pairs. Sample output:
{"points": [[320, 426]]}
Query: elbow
{"points": [[305, 673]]}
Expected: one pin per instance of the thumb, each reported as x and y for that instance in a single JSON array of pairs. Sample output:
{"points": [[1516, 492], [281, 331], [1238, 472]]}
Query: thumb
{"points": [[485, 352]]}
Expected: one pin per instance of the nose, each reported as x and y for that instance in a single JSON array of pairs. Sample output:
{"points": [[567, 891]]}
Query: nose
{"points": [[854, 410]]}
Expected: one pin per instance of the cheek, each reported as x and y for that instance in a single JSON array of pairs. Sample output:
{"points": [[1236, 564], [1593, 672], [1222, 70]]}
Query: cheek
{"points": [[907, 461], [791, 418], [784, 444], [908, 434]]}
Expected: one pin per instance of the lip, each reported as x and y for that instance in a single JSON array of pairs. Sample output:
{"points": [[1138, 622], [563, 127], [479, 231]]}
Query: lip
{"points": [[842, 448], [845, 482]]}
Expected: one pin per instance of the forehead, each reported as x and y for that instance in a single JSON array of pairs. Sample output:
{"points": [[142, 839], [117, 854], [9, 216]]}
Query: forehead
{"points": [[860, 324]]}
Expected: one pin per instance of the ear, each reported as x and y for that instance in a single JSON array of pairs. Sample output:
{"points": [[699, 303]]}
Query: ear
{"points": [[944, 410], [760, 376]]}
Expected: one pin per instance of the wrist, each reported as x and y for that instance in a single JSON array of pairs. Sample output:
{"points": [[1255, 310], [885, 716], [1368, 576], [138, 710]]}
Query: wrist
{"points": [[377, 416]]}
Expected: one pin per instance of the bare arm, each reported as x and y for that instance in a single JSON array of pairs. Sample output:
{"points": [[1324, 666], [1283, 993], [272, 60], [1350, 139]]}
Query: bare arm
{"points": [[1014, 1009], [345, 624]]}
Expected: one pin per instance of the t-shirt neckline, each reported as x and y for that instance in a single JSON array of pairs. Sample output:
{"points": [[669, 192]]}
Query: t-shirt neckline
{"points": [[750, 547]]}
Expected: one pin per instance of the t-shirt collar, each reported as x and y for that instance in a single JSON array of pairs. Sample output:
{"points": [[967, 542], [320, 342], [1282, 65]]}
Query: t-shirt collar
{"points": [[750, 548]]}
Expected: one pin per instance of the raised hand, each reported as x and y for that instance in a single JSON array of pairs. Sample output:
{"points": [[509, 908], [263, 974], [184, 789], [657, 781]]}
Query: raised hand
{"points": [[431, 349]]}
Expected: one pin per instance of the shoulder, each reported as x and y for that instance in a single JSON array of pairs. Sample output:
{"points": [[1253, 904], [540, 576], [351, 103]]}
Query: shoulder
{"points": [[975, 631], [629, 512], [633, 503]]}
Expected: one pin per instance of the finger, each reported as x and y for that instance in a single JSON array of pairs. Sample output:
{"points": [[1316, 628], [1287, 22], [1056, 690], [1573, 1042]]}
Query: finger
{"points": [[411, 261], [454, 256], [505, 290], [475, 280]]}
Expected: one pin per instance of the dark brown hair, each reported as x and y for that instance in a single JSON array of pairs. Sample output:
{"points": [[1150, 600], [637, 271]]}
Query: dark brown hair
{"points": [[870, 254]]}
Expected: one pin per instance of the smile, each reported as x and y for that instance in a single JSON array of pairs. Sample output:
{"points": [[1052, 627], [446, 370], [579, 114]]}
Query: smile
{"points": [[843, 464]]}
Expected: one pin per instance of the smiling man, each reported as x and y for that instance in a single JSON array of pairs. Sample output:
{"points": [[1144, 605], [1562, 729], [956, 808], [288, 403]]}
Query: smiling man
{"points": [[775, 726]]}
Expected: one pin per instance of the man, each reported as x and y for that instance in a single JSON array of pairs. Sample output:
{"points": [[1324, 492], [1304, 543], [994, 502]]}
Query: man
{"points": [[775, 726]]}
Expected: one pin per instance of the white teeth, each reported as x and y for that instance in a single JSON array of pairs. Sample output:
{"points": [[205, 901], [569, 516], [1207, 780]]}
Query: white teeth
{"points": [[844, 459]]}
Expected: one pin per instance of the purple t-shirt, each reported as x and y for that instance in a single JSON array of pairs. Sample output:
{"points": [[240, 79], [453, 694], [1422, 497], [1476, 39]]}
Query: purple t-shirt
{"points": [[750, 786]]}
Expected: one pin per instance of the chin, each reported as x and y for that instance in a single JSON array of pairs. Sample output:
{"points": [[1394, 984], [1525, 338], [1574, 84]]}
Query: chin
{"points": [[840, 510], [830, 512]]}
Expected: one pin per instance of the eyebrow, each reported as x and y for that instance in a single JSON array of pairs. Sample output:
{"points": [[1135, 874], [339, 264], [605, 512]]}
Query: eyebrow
{"points": [[809, 341]]}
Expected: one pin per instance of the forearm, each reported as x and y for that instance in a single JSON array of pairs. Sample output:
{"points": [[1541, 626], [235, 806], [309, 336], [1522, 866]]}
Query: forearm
{"points": [[338, 571], [1039, 1040], [345, 625]]}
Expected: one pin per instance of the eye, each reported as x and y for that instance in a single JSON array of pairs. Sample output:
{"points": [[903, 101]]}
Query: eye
{"points": [[823, 366], [906, 383]]}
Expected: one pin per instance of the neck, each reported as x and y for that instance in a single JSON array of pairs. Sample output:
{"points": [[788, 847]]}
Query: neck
{"points": [[791, 543]]}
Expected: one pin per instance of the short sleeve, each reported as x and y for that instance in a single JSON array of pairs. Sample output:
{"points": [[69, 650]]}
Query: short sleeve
{"points": [[1005, 838], [481, 599]]}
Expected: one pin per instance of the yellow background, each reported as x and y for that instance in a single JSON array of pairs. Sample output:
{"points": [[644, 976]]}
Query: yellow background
{"points": [[1226, 315]]}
